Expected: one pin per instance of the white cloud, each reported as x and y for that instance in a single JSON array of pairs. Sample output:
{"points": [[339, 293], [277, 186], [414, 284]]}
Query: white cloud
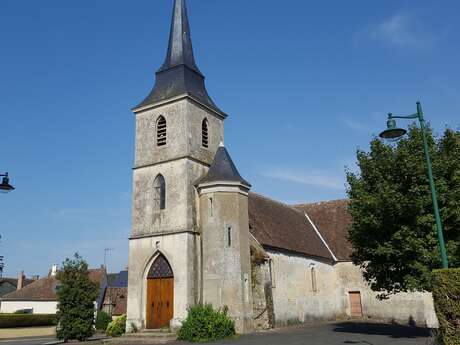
{"points": [[402, 30], [313, 178]]}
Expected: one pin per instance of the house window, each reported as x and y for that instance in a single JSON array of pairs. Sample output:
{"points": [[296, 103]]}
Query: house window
{"points": [[159, 189], [205, 133], [161, 131], [211, 206], [314, 286]]}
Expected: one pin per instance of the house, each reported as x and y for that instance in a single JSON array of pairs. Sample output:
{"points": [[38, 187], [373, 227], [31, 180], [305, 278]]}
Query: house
{"points": [[39, 297], [115, 294], [199, 235]]}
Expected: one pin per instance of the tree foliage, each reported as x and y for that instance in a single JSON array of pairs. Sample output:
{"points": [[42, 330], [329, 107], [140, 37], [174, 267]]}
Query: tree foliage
{"points": [[76, 295], [393, 230]]}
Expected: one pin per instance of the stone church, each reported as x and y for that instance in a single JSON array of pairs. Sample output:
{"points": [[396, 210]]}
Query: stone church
{"points": [[199, 235]]}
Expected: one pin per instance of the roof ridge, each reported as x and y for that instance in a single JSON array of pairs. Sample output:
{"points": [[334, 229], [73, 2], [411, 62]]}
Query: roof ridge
{"points": [[321, 202], [277, 202]]}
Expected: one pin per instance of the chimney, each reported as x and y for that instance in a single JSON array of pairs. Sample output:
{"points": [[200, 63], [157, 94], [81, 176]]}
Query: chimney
{"points": [[54, 270], [35, 277], [21, 281]]}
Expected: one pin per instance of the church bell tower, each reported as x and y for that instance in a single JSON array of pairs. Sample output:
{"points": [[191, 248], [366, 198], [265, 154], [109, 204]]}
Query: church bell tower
{"points": [[178, 131]]}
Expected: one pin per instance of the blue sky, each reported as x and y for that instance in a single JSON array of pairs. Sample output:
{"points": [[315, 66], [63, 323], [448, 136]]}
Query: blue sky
{"points": [[305, 83]]}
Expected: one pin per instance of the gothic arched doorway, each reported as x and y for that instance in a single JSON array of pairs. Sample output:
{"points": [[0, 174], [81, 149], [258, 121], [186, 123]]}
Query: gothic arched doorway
{"points": [[160, 294]]}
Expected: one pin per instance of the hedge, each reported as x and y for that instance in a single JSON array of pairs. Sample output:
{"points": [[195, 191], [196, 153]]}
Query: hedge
{"points": [[446, 296], [26, 320]]}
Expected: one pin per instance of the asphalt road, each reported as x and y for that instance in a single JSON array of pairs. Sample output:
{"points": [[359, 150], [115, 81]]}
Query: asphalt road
{"points": [[27, 341], [318, 334]]}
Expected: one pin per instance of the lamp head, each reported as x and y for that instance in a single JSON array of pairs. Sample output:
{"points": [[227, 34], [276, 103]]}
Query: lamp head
{"points": [[392, 131], [5, 187]]}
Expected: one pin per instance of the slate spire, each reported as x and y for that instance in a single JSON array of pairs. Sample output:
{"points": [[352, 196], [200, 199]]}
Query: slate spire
{"points": [[180, 49], [223, 169], [179, 75]]}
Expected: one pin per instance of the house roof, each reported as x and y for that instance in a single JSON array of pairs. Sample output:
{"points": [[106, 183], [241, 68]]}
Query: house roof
{"points": [[179, 74], [117, 280], [333, 220], [280, 226], [44, 289], [116, 297], [223, 169], [14, 281]]}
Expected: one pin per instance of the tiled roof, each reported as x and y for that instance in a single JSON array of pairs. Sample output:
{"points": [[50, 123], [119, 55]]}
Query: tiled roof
{"points": [[332, 220], [41, 290], [281, 226], [45, 289], [14, 281], [117, 298]]}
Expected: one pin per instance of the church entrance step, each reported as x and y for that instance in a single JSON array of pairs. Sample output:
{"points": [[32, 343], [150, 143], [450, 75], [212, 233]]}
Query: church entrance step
{"points": [[151, 336]]}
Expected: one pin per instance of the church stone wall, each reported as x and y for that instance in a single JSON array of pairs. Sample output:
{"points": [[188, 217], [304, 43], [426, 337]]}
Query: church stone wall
{"points": [[181, 252], [403, 308], [180, 213], [226, 265], [184, 123], [296, 302], [293, 295]]}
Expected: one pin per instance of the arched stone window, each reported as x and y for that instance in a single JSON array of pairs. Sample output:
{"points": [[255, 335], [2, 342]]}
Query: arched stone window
{"points": [[161, 131], [159, 190], [205, 133]]}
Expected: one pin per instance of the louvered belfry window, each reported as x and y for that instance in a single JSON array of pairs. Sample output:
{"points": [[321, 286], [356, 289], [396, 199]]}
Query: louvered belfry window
{"points": [[205, 133], [159, 191], [161, 131]]}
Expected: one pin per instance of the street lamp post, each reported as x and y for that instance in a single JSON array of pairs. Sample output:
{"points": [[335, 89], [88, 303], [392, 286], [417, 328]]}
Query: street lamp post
{"points": [[5, 187], [393, 132]]}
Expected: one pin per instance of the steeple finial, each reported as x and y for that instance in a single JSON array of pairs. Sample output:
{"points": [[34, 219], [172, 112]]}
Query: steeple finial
{"points": [[180, 50]]}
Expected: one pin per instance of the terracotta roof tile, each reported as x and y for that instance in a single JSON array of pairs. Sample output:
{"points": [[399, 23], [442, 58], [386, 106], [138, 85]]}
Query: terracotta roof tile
{"points": [[278, 225], [117, 297], [44, 289], [332, 220]]}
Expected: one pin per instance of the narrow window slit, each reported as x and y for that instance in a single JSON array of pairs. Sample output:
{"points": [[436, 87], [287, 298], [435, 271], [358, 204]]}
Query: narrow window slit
{"points": [[205, 133]]}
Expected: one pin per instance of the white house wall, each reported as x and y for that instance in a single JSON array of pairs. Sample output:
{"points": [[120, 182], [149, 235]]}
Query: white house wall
{"points": [[38, 307]]}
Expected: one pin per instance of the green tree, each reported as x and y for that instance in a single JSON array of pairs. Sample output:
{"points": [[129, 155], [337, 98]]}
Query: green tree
{"points": [[393, 230], [76, 295]]}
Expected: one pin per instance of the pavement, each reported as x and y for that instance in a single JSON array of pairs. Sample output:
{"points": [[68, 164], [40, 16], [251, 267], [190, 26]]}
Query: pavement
{"points": [[337, 333]]}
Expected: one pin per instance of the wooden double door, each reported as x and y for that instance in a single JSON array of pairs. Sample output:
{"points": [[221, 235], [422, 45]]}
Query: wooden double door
{"points": [[160, 294], [160, 302]]}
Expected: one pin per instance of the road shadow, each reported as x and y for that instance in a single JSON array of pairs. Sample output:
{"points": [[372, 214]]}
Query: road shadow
{"points": [[393, 331]]}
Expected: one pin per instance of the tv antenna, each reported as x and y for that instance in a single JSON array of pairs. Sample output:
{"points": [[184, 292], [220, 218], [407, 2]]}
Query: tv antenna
{"points": [[106, 250]]}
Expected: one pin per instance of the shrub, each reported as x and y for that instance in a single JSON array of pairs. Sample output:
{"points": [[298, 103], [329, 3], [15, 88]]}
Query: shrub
{"points": [[76, 296], [204, 324], [26, 320], [117, 327], [102, 320], [446, 295]]}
